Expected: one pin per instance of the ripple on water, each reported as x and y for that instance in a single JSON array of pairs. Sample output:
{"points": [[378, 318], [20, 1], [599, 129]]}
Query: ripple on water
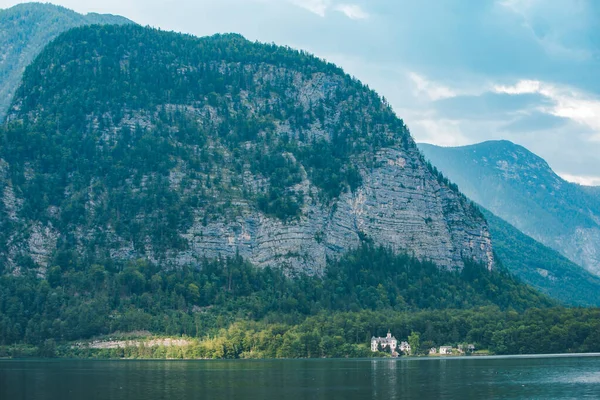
{"points": [[589, 377]]}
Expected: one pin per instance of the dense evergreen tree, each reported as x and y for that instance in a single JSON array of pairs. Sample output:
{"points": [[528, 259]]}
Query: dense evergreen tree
{"points": [[541, 267], [77, 301]]}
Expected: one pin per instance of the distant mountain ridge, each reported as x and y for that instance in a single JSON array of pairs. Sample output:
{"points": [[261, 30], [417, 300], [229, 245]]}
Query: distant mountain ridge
{"points": [[24, 31], [522, 189], [541, 267]]}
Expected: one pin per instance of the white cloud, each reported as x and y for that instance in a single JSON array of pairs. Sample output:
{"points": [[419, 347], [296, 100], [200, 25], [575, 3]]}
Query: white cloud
{"points": [[441, 132], [321, 7], [521, 7], [521, 87], [352, 11], [318, 7], [582, 180], [433, 91], [568, 102]]}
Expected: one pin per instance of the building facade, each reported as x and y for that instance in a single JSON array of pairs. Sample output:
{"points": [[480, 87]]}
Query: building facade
{"points": [[387, 342], [405, 347]]}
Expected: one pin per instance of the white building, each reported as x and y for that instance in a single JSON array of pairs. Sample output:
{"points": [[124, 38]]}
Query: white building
{"points": [[405, 347], [389, 340], [469, 348], [445, 350]]}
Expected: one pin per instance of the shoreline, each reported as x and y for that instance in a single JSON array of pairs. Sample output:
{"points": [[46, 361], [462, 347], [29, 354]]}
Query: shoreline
{"points": [[377, 359]]}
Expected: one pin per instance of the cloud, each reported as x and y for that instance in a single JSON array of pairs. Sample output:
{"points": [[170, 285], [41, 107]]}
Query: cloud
{"points": [[489, 105], [321, 7], [430, 89], [556, 121], [560, 27], [568, 102], [521, 87], [582, 180], [442, 132], [318, 7], [352, 11], [535, 121]]}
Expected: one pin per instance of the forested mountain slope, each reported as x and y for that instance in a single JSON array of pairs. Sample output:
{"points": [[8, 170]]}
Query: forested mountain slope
{"points": [[593, 191], [541, 267], [24, 31], [520, 187], [79, 301], [125, 142]]}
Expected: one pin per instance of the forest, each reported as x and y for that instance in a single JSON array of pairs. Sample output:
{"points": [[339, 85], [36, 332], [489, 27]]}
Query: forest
{"points": [[232, 309]]}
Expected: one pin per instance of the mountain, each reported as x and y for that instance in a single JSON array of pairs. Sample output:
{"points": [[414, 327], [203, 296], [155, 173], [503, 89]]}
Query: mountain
{"points": [[593, 191], [24, 31], [541, 267], [157, 182], [520, 187], [125, 142]]}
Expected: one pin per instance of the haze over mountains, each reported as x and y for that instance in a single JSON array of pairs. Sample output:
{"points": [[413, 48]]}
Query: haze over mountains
{"points": [[521, 188], [24, 31]]}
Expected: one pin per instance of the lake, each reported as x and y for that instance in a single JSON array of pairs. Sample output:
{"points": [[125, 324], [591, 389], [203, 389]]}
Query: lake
{"points": [[549, 377]]}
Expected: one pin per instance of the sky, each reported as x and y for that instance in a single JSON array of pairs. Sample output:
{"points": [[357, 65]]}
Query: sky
{"points": [[456, 71]]}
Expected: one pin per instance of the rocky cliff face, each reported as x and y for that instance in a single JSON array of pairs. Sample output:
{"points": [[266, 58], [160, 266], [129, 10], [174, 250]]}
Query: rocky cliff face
{"points": [[24, 31], [521, 188], [125, 142], [397, 205]]}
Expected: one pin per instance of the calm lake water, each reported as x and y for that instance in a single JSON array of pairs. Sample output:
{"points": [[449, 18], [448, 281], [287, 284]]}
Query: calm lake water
{"points": [[423, 379]]}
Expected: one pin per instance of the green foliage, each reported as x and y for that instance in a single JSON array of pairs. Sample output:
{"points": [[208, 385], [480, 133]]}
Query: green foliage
{"points": [[27, 28], [347, 334], [75, 301], [230, 309], [414, 340], [375, 278]]}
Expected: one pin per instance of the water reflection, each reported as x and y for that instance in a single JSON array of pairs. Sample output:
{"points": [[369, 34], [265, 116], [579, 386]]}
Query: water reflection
{"points": [[384, 378], [421, 379]]}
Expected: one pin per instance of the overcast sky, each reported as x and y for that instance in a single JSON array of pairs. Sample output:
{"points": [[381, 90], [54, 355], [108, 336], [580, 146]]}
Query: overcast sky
{"points": [[457, 71]]}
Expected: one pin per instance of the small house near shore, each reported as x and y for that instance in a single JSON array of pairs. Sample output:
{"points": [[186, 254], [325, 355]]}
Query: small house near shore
{"points": [[405, 348]]}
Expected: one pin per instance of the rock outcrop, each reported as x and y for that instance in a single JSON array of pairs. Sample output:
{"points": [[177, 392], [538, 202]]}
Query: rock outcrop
{"points": [[398, 206]]}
